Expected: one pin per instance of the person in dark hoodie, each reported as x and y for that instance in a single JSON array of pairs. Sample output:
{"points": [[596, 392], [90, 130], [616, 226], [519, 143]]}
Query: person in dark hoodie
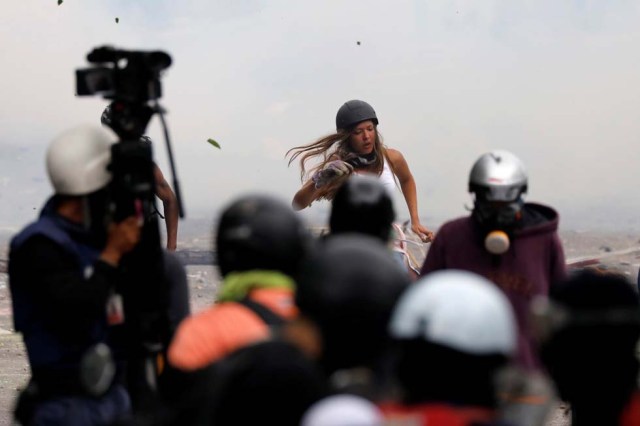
{"points": [[512, 243]]}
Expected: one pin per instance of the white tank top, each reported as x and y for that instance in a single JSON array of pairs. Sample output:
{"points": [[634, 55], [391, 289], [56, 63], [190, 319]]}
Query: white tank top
{"points": [[387, 179]]}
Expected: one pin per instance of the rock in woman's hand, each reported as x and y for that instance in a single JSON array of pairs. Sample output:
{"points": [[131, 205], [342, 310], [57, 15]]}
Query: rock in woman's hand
{"points": [[331, 172]]}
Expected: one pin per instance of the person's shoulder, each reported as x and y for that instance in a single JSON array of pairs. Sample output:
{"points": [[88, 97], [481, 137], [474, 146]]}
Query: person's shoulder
{"points": [[39, 236], [456, 224], [212, 334], [396, 159], [394, 154], [539, 219], [229, 319]]}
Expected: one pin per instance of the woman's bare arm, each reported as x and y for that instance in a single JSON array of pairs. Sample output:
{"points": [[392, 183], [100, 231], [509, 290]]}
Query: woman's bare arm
{"points": [[170, 206], [408, 186], [305, 196]]}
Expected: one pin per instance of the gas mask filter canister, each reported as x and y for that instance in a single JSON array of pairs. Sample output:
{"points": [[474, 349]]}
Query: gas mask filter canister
{"points": [[497, 242]]}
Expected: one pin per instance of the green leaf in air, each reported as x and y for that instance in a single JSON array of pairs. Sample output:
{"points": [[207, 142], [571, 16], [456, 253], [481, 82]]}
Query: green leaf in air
{"points": [[117, 20], [60, 2], [214, 143]]}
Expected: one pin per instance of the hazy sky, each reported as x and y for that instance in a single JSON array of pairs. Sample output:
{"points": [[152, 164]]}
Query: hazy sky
{"points": [[556, 82]]}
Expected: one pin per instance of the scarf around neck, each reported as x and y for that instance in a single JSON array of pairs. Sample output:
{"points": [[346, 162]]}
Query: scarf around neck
{"points": [[236, 285]]}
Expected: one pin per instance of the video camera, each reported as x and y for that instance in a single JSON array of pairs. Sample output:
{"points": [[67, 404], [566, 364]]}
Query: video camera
{"points": [[131, 79]]}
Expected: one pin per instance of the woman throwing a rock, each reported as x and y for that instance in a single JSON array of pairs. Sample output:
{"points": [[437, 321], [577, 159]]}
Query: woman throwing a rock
{"points": [[356, 147]]}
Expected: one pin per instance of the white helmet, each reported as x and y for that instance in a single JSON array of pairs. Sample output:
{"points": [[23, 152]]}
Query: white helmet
{"points": [[499, 175], [77, 160], [343, 410], [459, 310]]}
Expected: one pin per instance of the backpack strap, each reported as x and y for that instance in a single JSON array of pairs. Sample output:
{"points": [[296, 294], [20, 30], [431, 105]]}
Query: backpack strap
{"points": [[267, 315]]}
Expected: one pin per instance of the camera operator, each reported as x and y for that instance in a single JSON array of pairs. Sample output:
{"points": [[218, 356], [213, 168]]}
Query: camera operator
{"points": [[163, 191], [62, 272], [151, 295]]}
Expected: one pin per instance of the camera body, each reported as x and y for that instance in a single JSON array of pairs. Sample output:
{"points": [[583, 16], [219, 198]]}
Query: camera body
{"points": [[131, 79]]}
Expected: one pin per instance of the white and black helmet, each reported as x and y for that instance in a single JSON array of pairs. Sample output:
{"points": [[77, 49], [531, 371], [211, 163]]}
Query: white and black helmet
{"points": [[78, 160], [498, 176], [459, 310]]}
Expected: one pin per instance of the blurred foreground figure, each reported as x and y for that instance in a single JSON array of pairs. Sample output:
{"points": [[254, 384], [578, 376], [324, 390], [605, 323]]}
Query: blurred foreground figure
{"points": [[589, 330], [343, 410], [260, 243], [363, 205], [512, 243], [455, 331], [345, 293], [63, 270]]}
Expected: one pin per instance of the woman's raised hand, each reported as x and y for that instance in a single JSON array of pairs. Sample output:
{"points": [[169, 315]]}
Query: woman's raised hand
{"points": [[330, 172]]}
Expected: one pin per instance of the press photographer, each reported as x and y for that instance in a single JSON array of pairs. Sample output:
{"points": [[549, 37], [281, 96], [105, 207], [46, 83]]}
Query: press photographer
{"points": [[63, 268], [94, 295]]}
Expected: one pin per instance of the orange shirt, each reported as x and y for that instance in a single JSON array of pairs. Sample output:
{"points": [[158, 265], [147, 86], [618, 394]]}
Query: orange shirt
{"points": [[210, 335]]}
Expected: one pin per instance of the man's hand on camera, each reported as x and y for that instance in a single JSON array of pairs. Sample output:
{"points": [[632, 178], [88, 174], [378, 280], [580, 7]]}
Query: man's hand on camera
{"points": [[122, 238]]}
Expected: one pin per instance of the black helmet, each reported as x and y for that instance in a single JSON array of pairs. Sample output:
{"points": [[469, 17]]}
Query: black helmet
{"points": [[348, 287], [260, 232], [592, 320], [354, 112], [362, 205]]}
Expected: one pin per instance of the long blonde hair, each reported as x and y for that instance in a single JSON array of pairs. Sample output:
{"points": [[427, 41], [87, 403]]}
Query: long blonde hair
{"points": [[335, 147]]}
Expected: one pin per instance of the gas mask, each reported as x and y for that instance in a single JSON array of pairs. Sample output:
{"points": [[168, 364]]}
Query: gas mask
{"points": [[498, 179], [498, 220]]}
